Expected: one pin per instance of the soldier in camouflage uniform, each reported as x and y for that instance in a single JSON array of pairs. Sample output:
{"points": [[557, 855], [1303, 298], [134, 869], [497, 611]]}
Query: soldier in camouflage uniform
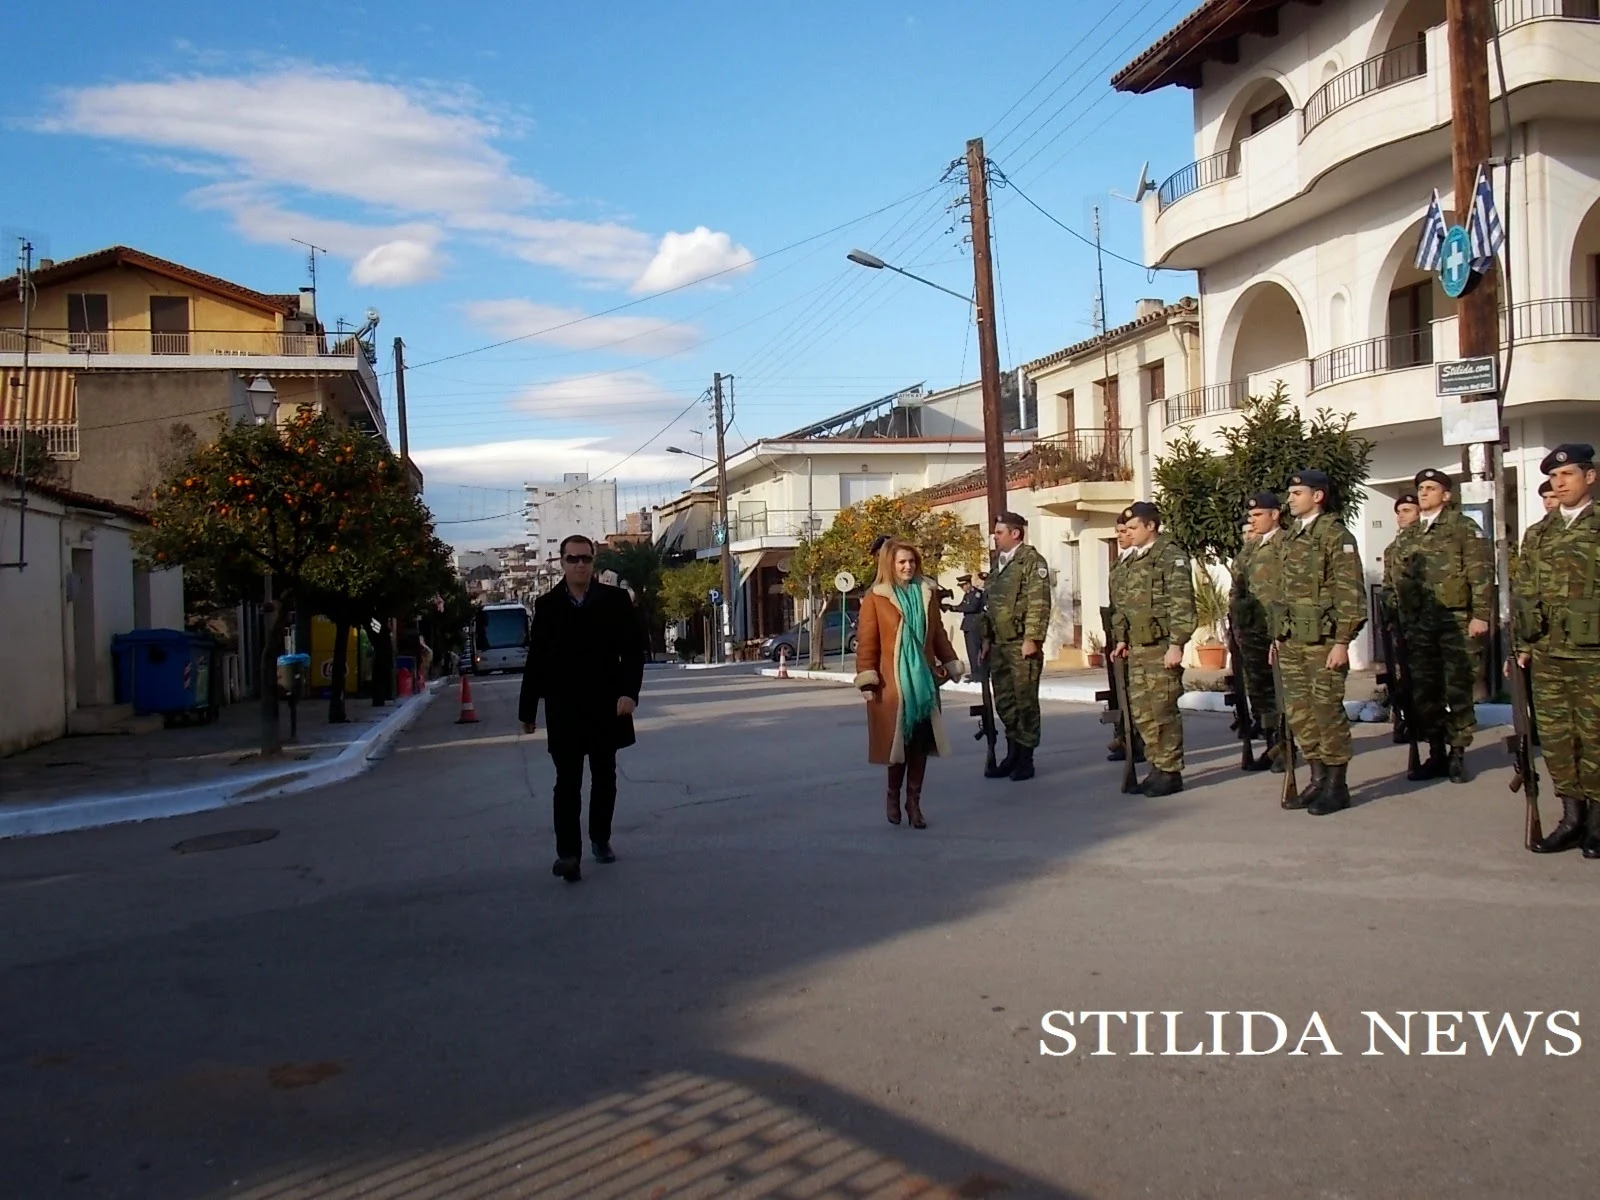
{"points": [[1406, 512], [1320, 610], [1559, 610], [1255, 590], [1117, 748], [1439, 572], [1152, 598], [1016, 619]]}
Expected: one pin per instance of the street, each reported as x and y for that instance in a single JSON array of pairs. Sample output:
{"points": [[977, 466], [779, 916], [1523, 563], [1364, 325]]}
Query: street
{"points": [[776, 993]]}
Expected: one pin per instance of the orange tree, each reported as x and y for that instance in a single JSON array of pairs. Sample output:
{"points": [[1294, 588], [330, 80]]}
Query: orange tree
{"points": [[266, 499]]}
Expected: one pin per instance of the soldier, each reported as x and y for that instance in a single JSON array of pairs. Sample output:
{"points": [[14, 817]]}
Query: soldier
{"points": [[1440, 576], [1406, 510], [1016, 619], [1320, 610], [1152, 600], [1562, 614], [1118, 747], [1255, 590]]}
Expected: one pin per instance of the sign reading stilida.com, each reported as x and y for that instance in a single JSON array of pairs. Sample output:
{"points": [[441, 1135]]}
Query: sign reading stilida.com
{"points": [[1466, 377]]}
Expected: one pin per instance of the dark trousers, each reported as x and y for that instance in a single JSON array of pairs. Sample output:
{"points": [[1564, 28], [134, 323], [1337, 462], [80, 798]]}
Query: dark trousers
{"points": [[975, 654], [569, 798]]}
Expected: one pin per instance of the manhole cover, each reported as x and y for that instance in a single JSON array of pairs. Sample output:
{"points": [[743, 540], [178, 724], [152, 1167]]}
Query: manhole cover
{"points": [[225, 841]]}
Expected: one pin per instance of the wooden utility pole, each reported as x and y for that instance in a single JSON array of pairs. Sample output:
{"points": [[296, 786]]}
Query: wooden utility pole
{"points": [[727, 533], [400, 398], [994, 446], [1467, 31]]}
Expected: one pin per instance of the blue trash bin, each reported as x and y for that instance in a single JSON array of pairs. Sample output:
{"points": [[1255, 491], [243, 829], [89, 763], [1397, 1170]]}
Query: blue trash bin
{"points": [[157, 671]]}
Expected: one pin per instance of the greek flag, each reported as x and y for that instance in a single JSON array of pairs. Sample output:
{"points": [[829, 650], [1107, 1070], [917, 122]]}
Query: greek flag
{"points": [[1484, 230], [1431, 245]]}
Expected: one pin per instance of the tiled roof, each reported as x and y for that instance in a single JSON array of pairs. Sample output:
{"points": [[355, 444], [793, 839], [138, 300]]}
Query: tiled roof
{"points": [[1019, 473], [126, 256], [1210, 32], [8, 481], [1187, 306]]}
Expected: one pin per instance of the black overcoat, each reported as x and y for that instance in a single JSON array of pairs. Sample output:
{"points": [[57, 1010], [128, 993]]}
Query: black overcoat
{"points": [[582, 658]]}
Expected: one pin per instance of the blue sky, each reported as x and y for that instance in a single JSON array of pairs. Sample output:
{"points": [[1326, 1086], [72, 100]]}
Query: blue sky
{"points": [[509, 168]]}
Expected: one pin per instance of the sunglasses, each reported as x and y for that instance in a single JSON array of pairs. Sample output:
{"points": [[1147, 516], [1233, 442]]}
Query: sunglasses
{"points": [[575, 559]]}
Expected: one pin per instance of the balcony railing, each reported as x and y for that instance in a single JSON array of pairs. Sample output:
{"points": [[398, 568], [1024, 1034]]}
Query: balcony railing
{"points": [[1550, 320], [1511, 13], [220, 342], [1204, 401], [60, 439], [1213, 168], [1083, 456], [1394, 352], [1406, 61]]}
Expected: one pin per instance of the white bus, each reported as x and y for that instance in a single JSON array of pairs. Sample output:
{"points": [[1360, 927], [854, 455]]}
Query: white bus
{"points": [[500, 638]]}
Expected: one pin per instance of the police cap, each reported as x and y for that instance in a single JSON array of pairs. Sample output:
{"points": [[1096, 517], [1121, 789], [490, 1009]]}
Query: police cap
{"points": [[1015, 520], [963, 578], [1265, 500], [1143, 510], [1407, 498], [1547, 488], [1568, 454], [878, 544], [1317, 481], [1432, 475]]}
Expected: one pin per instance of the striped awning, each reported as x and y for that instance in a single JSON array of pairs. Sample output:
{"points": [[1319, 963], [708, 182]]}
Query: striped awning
{"points": [[52, 396]]}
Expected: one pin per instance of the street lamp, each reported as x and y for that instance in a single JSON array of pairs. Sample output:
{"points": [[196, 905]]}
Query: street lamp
{"points": [[263, 399], [690, 453], [871, 261]]}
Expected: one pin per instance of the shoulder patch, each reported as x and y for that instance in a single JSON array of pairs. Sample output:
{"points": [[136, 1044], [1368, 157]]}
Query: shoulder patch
{"points": [[1044, 572], [1179, 560], [1348, 548]]}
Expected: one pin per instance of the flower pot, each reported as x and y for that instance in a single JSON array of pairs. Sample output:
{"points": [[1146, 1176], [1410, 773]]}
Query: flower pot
{"points": [[1095, 660], [1212, 658]]}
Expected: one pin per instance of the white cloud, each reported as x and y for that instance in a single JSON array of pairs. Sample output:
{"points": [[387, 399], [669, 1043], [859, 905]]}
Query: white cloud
{"points": [[396, 264], [542, 323], [684, 257], [511, 463], [618, 397]]}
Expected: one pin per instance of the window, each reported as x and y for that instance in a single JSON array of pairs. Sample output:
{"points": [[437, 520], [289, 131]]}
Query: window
{"points": [[1271, 114], [1410, 326], [1155, 377], [1067, 410], [89, 321], [169, 324], [1111, 402], [853, 489]]}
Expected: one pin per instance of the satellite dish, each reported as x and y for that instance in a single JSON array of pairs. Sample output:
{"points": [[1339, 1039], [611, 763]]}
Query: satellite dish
{"points": [[372, 315], [1146, 184]]}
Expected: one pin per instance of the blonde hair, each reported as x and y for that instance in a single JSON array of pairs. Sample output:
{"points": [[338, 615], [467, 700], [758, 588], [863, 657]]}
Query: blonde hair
{"points": [[886, 556]]}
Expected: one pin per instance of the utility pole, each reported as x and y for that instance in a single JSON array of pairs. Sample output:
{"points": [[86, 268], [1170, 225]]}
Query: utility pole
{"points": [[994, 448], [722, 506], [815, 658], [25, 294], [400, 398]]}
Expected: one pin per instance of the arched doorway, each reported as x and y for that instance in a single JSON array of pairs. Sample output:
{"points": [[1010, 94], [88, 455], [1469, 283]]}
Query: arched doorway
{"points": [[1265, 330], [1406, 303], [1260, 107], [1585, 279], [1412, 24]]}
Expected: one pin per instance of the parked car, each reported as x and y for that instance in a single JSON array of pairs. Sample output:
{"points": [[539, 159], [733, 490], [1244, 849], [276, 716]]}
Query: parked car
{"points": [[798, 639]]}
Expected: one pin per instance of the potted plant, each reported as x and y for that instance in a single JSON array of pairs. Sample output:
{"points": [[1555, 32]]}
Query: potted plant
{"points": [[1095, 655], [1211, 610]]}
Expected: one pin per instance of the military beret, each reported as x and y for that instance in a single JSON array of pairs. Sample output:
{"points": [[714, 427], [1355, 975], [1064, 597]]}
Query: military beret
{"points": [[1143, 510], [1546, 488], [1265, 500], [1431, 475], [1407, 498], [1568, 454], [1015, 520], [1317, 481]]}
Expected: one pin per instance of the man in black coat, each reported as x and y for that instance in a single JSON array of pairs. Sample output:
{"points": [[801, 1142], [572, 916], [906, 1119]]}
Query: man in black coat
{"points": [[586, 662]]}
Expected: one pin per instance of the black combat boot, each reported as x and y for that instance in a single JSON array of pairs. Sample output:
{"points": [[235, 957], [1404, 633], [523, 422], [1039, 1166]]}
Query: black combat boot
{"points": [[1023, 767], [1436, 766], [1275, 753], [1456, 765], [1312, 790], [1162, 783], [1002, 769], [1591, 838], [1570, 832], [1264, 760], [1335, 794]]}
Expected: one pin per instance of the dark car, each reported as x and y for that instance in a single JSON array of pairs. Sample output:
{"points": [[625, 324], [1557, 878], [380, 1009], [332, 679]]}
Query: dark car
{"points": [[798, 640]]}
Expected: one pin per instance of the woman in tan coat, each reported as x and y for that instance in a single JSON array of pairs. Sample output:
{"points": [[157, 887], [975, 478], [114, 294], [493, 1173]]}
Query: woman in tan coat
{"points": [[902, 656]]}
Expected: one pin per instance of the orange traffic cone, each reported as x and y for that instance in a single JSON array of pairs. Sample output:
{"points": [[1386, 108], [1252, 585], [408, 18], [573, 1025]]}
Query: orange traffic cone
{"points": [[783, 662], [469, 711]]}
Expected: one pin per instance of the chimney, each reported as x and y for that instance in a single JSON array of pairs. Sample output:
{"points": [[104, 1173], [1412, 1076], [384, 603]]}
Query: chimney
{"points": [[46, 263], [308, 302], [1146, 308]]}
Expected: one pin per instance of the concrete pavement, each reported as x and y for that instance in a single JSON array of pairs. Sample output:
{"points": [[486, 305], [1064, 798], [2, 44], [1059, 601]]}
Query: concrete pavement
{"points": [[775, 993]]}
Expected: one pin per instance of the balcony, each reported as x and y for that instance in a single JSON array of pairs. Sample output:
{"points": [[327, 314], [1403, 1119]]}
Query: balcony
{"points": [[1085, 470], [1554, 320], [195, 343], [1202, 173], [1207, 401], [59, 439], [1407, 61], [1392, 352]]}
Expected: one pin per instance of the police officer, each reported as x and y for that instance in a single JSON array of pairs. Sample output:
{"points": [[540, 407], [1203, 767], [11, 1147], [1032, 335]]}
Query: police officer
{"points": [[1153, 607], [1254, 592], [971, 610], [1438, 571], [1117, 748], [1321, 607], [1016, 619], [1560, 611]]}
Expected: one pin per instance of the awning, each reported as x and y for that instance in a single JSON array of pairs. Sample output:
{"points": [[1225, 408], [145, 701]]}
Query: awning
{"points": [[52, 397]]}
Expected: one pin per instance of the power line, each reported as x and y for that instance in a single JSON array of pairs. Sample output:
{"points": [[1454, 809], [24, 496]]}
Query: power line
{"points": [[1005, 182]]}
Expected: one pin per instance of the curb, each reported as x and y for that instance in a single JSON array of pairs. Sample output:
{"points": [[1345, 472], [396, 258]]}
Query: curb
{"points": [[94, 812]]}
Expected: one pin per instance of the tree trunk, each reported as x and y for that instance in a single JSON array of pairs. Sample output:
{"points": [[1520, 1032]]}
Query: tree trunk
{"points": [[341, 661], [382, 666], [813, 625], [271, 646]]}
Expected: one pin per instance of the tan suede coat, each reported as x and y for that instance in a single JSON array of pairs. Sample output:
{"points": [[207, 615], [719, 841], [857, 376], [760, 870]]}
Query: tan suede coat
{"points": [[878, 675]]}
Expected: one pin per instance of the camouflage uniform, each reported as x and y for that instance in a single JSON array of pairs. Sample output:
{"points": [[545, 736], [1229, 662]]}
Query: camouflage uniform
{"points": [[1320, 603], [1152, 598], [1108, 622], [1018, 608], [1256, 571], [1441, 578]]}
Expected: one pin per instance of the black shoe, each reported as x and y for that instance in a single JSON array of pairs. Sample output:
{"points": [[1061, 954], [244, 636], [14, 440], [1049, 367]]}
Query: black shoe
{"points": [[1456, 765], [1437, 766], [1319, 776], [568, 869], [1023, 767], [1118, 753], [1002, 769], [1260, 763], [602, 852], [1163, 783], [1570, 832], [1335, 794]]}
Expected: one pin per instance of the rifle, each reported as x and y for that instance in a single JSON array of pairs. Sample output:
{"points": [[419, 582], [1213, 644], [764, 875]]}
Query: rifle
{"points": [[1109, 697], [1285, 735], [1130, 770], [1239, 700], [1524, 774], [1397, 681], [985, 714]]}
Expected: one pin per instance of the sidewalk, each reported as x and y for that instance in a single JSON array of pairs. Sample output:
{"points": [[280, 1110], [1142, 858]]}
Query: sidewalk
{"points": [[86, 782]]}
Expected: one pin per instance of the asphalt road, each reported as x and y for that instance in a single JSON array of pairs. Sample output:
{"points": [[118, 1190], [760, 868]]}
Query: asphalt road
{"points": [[775, 993]]}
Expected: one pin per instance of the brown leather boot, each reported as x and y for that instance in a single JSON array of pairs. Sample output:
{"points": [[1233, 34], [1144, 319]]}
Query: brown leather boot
{"points": [[917, 769], [897, 775]]}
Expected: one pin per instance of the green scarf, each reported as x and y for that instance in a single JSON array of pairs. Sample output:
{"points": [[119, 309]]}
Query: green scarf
{"points": [[919, 693]]}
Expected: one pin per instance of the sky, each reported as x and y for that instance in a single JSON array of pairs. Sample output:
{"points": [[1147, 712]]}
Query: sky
{"points": [[575, 214]]}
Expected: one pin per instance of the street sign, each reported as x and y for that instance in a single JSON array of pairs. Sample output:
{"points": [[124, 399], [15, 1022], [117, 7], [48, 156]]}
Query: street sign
{"points": [[845, 581], [1464, 421], [715, 596], [1455, 262], [1467, 376]]}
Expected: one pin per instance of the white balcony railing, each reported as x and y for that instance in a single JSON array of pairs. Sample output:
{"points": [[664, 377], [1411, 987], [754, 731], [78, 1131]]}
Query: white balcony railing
{"points": [[58, 439], [227, 343]]}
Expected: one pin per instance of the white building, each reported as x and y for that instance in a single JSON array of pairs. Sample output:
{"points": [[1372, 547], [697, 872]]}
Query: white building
{"points": [[1320, 132], [575, 504]]}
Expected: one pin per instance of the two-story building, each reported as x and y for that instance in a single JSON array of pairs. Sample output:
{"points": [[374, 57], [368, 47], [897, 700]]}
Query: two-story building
{"points": [[1321, 131]]}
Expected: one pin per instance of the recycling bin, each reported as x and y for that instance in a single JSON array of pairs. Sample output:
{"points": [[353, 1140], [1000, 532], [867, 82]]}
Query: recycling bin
{"points": [[166, 672]]}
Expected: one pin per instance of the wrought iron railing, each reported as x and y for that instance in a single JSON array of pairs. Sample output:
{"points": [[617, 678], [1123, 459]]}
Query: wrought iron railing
{"points": [[1203, 401], [1393, 352], [222, 342], [1511, 13], [1552, 320], [1203, 173], [1083, 456], [59, 439], [1406, 61]]}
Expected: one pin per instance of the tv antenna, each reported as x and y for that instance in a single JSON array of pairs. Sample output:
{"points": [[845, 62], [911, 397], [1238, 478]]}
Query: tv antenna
{"points": [[1145, 186], [315, 250]]}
